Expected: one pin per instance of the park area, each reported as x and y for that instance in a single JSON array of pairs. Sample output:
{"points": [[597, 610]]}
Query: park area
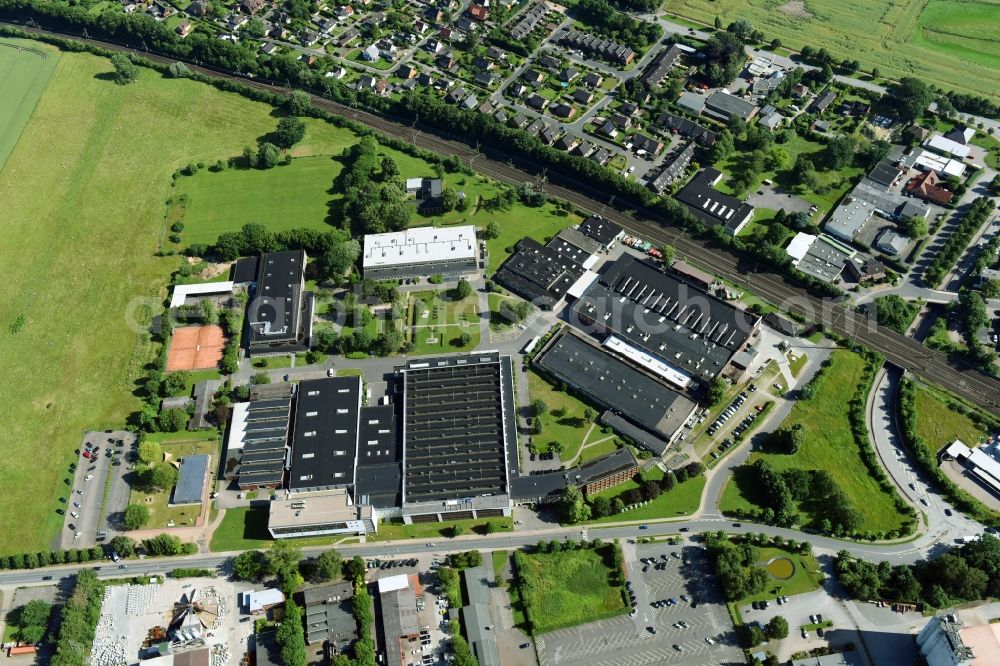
{"points": [[789, 573], [567, 588], [933, 40], [828, 444], [437, 322]]}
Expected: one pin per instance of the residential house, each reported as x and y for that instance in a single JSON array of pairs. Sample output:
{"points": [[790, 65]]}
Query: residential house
{"points": [[269, 48], [446, 61], [184, 28], [479, 62], [470, 103], [532, 76], [661, 66], [685, 128], [518, 89], [582, 96], [891, 242], [367, 82], [434, 14], [494, 53], [407, 72], [550, 62], [371, 53], [309, 37], [584, 149], [485, 79], [486, 108], [348, 36], [673, 168], [345, 12], [601, 155], [520, 121], [864, 269], [650, 145], [918, 133], [567, 142], [465, 25], [562, 110], [593, 79], [799, 91], [549, 135], [479, 12], [425, 79], [501, 115], [568, 74], [457, 95], [609, 130], [197, 8], [821, 104], [433, 46], [536, 101], [961, 134], [621, 121], [251, 6], [537, 126]]}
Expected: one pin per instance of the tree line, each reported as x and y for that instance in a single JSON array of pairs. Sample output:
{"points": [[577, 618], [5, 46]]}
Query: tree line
{"points": [[605, 19], [968, 573], [78, 621]]}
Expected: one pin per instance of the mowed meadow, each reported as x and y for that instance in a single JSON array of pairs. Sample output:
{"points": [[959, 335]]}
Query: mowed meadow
{"points": [[954, 44], [83, 195]]}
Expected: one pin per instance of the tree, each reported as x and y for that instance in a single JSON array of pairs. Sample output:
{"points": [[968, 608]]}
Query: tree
{"points": [[538, 407], [178, 70], [669, 253], [994, 186], [136, 516], [464, 339], [573, 508], [267, 155], [150, 453], [990, 288], [462, 290], [328, 566], [716, 391], [493, 228], [248, 565], [449, 199], [339, 259], [839, 153], [354, 568], [915, 226], [777, 628], [33, 620], [159, 477], [123, 545], [909, 97], [299, 103], [125, 70], [173, 419], [282, 562], [175, 383], [290, 131], [742, 28], [600, 506], [291, 636]]}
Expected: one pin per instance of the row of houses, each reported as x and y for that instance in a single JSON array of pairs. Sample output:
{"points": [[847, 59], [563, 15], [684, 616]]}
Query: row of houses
{"points": [[598, 46]]}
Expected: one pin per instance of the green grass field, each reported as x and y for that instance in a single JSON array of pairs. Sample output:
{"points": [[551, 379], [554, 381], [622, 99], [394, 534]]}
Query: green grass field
{"points": [[828, 445], [391, 531], [682, 500], [806, 577], [246, 529], [939, 425], [954, 44], [25, 68], [565, 421], [435, 322], [567, 589], [84, 192], [160, 513]]}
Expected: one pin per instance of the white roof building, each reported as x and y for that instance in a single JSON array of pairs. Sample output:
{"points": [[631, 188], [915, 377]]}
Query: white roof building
{"points": [[393, 583], [182, 291], [946, 146], [421, 251], [983, 465], [928, 161], [260, 600]]}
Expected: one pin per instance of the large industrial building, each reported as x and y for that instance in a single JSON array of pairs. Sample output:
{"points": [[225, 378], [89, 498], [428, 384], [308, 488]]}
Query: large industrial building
{"points": [[257, 443], [539, 273], [459, 436], [325, 440], [712, 206], [614, 384], [421, 252], [663, 324], [280, 310]]}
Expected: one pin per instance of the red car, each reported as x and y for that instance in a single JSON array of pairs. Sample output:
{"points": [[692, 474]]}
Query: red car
{"points": [[87, 455]]}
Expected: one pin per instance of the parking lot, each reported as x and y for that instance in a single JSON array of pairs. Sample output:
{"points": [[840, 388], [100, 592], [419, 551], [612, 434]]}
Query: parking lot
{"points": [[655, 635], [82, 510]]}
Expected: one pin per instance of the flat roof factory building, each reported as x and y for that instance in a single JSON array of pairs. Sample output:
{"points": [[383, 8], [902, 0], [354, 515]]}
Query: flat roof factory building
{"points": [[421, 252]]}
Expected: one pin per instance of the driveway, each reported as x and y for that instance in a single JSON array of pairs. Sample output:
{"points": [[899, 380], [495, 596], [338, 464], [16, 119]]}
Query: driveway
{"points": [[769, 197]]}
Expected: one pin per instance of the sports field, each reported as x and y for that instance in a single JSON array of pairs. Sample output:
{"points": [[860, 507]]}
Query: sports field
{"points": [[195, 348], [25, 68], [952, 43], [83, 195]]}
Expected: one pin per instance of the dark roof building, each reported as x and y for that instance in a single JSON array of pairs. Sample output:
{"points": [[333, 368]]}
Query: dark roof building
{"points": [[616, 385], [476, 616], [713, 207], [190, 486], [458, 429], [820, 104], [575, 246], [538, 273], [328, 613], [325, 441], [661, 66], [279, 313], [604, 472], [677, 332], [725, 106], [686, 128], [256, 443], [885, 173], [673, 168], [379, 474], [603, 231]]}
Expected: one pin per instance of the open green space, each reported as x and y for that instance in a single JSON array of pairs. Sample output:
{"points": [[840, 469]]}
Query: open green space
{"points": [[25, 68], [84, 192], [939, 425], [565, 419], [933, 40], [392, 531], [245, 528], [828, 445], [790, 574], [681, 500], [601, 448], [160, 513], [436, 322], [567, 589]]}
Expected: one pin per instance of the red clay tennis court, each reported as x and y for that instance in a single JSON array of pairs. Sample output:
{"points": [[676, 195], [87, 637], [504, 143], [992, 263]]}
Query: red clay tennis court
{"points": [[195, 348]]}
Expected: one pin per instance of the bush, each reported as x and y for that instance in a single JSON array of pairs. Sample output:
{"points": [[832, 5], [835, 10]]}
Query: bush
{"points": [[136, 516]]}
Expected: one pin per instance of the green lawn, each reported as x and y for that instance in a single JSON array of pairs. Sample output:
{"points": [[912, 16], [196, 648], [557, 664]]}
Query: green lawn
{"points": [[246, 529], [939, 425], [567, 589], [682, 500], [932, 39], [435, 322], [797, 362], [25, 68], [565, 421], [84, 192], [391, 531], [828, 445], [500, 558], [160, 514], [600, 449], [806, 578], [272, 362]]}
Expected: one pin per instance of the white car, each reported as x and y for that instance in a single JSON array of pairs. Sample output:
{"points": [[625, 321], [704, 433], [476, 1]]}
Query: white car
{"points": [[74, 514], [331, 372], [710, 640], [78, 535], [88, 477], [631, 168]]}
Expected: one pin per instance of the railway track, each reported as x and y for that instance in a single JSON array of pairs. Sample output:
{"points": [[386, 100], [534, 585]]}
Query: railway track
{"points": [[931, 366]]}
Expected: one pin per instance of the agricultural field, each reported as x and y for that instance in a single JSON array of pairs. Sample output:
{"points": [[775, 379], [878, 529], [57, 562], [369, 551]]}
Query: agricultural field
{"points": [[933, 40], [25, 68], [84, 192], [829, 445]]}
